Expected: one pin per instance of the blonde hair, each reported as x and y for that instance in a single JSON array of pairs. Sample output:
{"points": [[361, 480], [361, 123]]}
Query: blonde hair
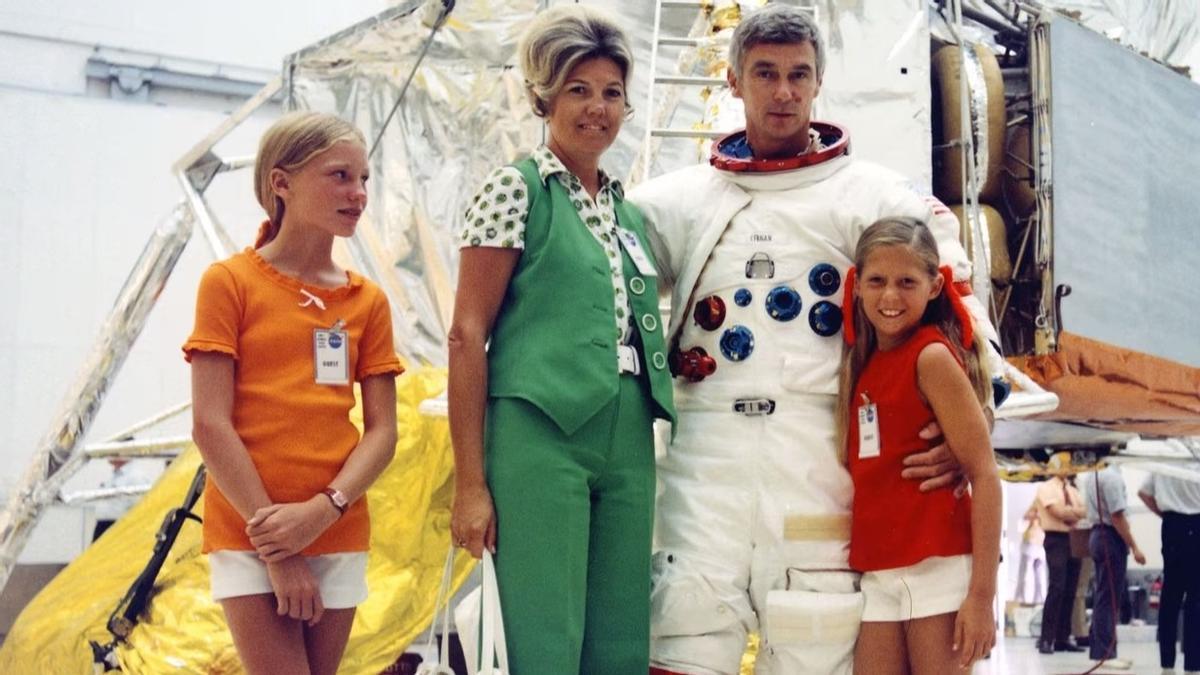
{"points": [[289, 144], [915, 236], [561, 38]]}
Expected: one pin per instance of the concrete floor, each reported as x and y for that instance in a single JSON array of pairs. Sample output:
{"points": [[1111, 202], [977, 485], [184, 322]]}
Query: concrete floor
{"points": [[1019, 656]]}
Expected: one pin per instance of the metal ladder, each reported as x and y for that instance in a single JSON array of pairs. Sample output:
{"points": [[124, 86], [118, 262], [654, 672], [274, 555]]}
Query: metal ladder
{"points": [[709, 30]]}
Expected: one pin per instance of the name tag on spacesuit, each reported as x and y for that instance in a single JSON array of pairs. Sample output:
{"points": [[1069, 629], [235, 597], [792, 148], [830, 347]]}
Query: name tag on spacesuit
{"points": [[868, 430], [331, 351], [633, 247]]}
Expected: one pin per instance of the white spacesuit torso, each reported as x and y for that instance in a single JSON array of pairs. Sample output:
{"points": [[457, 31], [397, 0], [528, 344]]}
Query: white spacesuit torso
{"points": [[752, 524]]}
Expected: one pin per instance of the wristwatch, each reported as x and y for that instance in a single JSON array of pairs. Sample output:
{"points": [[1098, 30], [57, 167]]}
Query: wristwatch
{"points": [[339, 500]]}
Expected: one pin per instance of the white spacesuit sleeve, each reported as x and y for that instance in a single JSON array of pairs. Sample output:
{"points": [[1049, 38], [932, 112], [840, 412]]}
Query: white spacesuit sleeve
{"points": [[662, 255], [656, 208]]}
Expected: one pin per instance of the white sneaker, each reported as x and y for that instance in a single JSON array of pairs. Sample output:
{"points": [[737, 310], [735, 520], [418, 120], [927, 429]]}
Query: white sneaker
{"points": [[1114, 664]]}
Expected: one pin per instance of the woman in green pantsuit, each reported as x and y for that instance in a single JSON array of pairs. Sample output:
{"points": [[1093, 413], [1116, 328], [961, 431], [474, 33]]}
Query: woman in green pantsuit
{"points": [[552, 420]]}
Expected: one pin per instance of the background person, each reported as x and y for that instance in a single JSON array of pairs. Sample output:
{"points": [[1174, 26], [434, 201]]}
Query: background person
{"points": [[1059, 508], [1081, 534], [1031, 564], [1177, 501], [281, 336], [1110, 545], [552, 423]]}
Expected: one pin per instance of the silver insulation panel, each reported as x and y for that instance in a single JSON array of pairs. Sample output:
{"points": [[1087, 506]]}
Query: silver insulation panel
{"points": [[465, 113], [1126, 208]]}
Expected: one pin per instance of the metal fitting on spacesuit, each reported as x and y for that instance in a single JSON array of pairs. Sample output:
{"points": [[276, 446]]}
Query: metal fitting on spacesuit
{"points": [[824, 279], [736, 343], [760, 266], [694, 365], [710, 312], [783, 303], [825, 318]]}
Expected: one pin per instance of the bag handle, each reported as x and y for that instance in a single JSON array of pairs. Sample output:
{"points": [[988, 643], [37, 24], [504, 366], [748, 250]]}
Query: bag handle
{"points": [[442, 667], [494, 650]]}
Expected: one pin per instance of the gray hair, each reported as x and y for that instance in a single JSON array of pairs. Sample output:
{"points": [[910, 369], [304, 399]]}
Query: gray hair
{"points": [[561, 38], [775, 24]]}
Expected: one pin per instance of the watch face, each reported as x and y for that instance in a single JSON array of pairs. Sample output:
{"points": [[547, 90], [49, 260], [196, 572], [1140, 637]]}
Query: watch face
{"points": [[339, 499]]}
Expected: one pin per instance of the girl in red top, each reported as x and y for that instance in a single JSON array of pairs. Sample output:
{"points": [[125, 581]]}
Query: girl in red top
{"points": [[929, 560], [281, 336]]}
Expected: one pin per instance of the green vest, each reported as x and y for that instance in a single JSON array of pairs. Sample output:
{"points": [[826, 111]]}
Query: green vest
{"points": [[554, 343]]}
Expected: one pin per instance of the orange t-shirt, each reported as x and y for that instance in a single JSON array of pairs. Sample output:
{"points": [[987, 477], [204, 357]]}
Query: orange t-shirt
{"points": [[298, 432]]}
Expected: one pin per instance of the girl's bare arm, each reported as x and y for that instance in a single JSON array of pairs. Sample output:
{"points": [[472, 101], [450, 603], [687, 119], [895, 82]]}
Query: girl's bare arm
{"points": [[224, 454], [948, 390]]}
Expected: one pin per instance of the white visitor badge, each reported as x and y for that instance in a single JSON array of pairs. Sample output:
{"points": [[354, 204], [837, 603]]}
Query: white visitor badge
{"points": [[868, 429], [634, 248], [331, 349]]}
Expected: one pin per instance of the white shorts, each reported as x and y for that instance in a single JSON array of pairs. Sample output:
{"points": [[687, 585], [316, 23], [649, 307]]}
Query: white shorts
{"points": [[342, 577], [936, 585]]}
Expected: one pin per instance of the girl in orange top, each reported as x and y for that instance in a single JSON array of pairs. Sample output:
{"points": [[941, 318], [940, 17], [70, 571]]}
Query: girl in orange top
{"points": [[281, 335], [928, 559]]}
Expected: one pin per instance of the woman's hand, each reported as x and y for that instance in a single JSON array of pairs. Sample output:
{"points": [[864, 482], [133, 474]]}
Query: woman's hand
{"points": [[296, 591], [282, 530], [473, 520], [974, 629]]}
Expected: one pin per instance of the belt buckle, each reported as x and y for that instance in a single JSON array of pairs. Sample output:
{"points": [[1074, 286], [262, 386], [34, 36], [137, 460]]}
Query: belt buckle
{"points": [[754, 406], [627, 360]]}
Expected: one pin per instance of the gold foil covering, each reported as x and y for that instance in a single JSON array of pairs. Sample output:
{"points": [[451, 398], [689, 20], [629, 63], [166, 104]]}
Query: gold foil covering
{"points": [[184, 631]]}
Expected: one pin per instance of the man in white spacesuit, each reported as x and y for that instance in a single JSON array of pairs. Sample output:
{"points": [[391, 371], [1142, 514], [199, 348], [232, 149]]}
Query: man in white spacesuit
{"points": [[753, 524]]}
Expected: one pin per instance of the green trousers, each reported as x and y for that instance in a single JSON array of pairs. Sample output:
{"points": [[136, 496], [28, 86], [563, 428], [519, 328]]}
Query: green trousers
{"points": [[575, 515]]}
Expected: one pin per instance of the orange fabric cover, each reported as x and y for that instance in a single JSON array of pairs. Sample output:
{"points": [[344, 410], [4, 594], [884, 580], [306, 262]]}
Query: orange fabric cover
{"points": [[1119, 389], [298, 432]]}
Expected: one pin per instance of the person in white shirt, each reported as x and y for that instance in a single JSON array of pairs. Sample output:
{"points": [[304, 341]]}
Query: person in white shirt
{"points": [[1177, 501]]}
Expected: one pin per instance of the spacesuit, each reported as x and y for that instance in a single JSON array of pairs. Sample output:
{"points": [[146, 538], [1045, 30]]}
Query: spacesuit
{"points": [[752, 529]]}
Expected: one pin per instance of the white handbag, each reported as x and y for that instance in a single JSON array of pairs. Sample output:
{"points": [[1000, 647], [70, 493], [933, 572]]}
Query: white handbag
{"points": [[435, 661], [481, 625]]}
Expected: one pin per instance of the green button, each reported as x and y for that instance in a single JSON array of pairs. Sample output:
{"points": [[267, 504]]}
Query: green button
{"points": [[649, 322], [658, 360], [637, 285]]}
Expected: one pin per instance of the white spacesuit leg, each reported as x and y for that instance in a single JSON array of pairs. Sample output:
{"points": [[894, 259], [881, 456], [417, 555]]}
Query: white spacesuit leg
{"points": [[808, 603], [700, 611]]}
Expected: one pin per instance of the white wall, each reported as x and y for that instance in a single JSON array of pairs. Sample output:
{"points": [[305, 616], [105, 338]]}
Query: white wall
{"points": [[247, 33], [86, 179]]}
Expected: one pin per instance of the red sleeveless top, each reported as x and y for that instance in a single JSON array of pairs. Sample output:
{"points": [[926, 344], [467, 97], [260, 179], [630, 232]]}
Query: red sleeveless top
{"points": [[894, 524]]}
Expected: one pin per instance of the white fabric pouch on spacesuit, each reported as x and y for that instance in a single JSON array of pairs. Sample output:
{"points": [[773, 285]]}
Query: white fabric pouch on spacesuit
{"points": [[813, 631]]}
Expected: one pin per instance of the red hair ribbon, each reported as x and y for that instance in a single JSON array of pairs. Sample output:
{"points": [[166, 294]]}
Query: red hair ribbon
{"points": [[848, 307], [950, 290]]}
